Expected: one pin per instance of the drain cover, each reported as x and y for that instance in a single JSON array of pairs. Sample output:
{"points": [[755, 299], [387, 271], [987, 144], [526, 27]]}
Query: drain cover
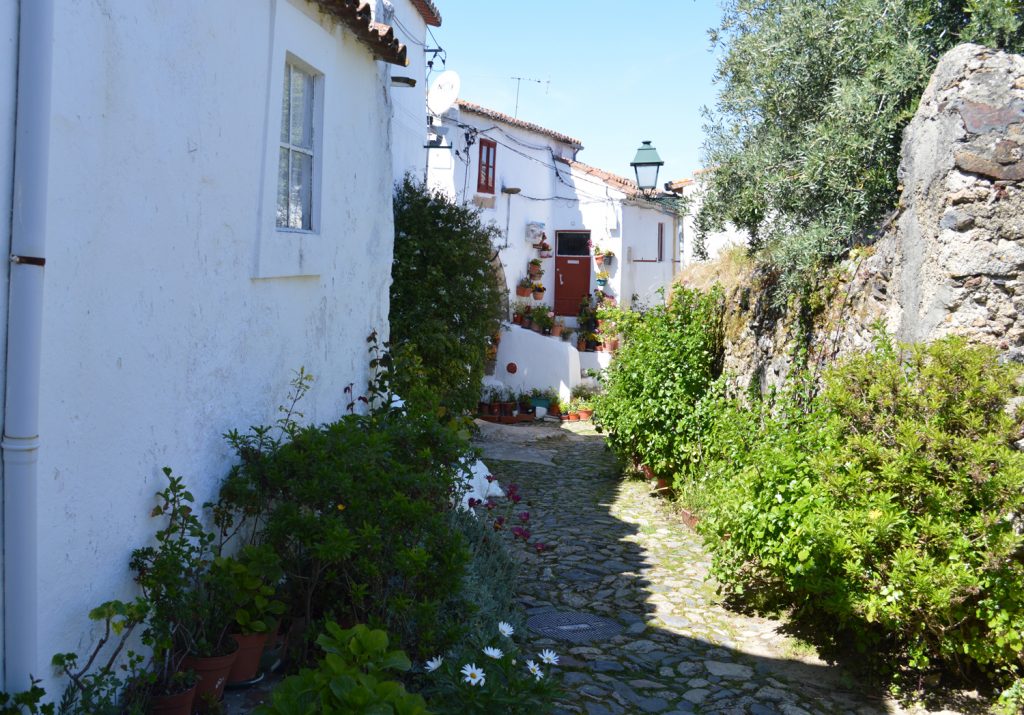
{"points": [[573, 626]]}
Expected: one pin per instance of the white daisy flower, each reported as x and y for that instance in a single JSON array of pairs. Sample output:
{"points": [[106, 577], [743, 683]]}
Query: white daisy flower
{"points": [[505, 629], [473, 675], [493, 652], [549, 656], [534, 669], [433, 664]]}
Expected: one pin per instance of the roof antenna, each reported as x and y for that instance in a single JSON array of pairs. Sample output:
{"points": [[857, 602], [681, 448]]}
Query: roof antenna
{"points": [[519, 81]]}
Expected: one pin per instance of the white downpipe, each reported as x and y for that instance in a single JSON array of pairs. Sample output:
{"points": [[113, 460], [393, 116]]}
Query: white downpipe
{"points": [[24, 336]]}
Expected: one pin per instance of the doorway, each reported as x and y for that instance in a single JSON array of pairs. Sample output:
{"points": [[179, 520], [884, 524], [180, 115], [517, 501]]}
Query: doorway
{"points": [[572, 271]]}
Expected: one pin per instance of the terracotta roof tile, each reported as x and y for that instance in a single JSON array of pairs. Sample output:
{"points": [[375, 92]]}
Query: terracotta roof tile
{"points": [[614, 180], [506, 119], [428, 10], [377, 36]]}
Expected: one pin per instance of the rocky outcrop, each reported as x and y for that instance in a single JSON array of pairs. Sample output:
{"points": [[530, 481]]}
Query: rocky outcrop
{"points": [[950, 261]]}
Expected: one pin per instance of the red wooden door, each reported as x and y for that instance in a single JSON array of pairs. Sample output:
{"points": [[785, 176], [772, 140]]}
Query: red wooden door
{"points": [[572, 270]]}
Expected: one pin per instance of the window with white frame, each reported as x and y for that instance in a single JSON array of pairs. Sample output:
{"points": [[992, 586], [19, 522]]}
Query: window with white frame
{"points": [[296, 172]]}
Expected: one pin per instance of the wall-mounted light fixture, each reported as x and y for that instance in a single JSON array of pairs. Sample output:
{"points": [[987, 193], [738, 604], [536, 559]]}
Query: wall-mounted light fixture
{"points": [[646, 164]]}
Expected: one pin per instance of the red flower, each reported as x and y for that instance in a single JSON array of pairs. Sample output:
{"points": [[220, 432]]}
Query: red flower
{"points": [[524, 516]]}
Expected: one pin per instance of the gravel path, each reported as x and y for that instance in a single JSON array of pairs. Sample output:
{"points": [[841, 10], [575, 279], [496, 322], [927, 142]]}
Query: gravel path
{"points": [[618, 552]]}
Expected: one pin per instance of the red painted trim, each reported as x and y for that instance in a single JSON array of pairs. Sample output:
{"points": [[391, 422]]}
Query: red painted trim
{"points": [[486, 166]]}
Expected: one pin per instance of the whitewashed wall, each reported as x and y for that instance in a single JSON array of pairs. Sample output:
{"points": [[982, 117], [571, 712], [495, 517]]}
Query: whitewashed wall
{"points": [[8, 107], [714, 243], [408, 109], [642, 274], [160, 334]]}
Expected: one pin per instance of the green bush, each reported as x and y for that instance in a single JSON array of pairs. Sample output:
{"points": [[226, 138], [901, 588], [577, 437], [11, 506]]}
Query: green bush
{"points": [[358, 513], [357, 674], [655, 389], [446, 300], [888, 510]]}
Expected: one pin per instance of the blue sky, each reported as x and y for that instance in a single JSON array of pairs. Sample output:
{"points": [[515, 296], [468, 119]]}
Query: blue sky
{"points": [[619, 71]]}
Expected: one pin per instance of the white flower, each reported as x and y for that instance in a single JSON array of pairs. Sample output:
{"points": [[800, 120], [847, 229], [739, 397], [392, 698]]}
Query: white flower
{"points": [[493, 652], [549, 656], [505, 629], [473, 675], [534, 669], [778, 498], [433, 664]]}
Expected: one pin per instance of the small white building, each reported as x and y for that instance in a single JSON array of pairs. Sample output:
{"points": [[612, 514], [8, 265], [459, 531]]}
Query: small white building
{"points": [[715, 242], [202, 203], [526, 179]]}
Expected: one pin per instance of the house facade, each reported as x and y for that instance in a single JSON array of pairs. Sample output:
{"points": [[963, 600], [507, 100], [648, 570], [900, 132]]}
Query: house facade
{"points": [[201, 205], [528, 181]]}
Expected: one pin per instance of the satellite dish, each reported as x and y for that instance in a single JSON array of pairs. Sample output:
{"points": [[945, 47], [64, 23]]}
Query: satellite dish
{"points": [[443, 92]]}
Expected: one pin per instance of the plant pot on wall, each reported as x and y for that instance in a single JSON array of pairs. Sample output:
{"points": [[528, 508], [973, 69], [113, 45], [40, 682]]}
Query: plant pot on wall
{"points": [[523, 291], [601, 282], [211, 677], [599, 259], [538, 295]]}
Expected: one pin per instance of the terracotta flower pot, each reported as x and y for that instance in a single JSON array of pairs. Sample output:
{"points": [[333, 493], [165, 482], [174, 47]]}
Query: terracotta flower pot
{"points": [[648, 472], [538, 295], [247, 660], [517, 319], [574, 416], [581, 345], [534, 271], [522, 292], [177, 704], [586, 414], [211, 677], [556, 331], [599, 258]]}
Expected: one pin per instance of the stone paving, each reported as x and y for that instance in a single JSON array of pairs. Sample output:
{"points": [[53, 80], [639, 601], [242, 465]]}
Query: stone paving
{"points": [[618, 551]]}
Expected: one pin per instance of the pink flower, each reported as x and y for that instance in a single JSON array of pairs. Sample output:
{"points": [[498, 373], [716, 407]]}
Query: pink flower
{"points": [[539, 546], [491, 504], [524, 516], [515, 498], [499, 523], [491, 478], [521, 533], [474, 502]]}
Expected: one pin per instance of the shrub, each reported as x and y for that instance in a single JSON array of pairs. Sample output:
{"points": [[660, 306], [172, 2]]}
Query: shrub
{"points": [[887, 510], [446, 301], [655, 388], [357, 511], [355, 675]]}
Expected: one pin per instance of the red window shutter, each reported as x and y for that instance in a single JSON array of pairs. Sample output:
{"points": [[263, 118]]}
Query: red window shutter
{"points": [[486, 173]]}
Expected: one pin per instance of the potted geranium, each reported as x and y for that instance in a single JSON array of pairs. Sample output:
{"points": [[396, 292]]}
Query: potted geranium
{"points": [[534, 268]]}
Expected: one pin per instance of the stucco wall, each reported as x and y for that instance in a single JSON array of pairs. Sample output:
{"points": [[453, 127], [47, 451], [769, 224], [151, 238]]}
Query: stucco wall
{"points": [[408, 110], [157, 337], [8, 107], [715, 242]]}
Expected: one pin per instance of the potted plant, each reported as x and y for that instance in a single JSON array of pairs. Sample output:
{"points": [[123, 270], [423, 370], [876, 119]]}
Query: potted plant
{"points": [[602, 278], [534, 268], [251, 579], [598, 254], [542, 319], [558, 327], [519, 309], [524, 287], [585, 408], [574, 414], [538, 291], [545, 249], [608, 256]]}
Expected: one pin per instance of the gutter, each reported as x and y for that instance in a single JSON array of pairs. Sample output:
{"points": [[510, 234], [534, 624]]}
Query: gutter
{"points": [[24, 337]]}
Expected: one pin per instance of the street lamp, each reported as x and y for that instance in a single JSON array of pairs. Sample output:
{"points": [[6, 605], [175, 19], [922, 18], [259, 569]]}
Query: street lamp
{"points": [[646, 164]]}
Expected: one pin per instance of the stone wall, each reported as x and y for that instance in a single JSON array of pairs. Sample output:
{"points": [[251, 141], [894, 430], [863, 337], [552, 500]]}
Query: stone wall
{"points": [[949, 260]]}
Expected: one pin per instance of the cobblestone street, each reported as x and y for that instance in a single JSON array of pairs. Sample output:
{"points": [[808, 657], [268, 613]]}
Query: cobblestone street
{"points": [[620, 553]]}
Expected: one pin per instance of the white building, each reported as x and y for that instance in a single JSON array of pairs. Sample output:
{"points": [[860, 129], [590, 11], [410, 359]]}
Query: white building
{"points": [[526, 178], [715, 242], [201, 205]]}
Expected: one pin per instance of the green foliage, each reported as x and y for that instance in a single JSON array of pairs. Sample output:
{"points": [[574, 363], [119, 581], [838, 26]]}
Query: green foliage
{"points": [[357, 512], [653, 406], [446, 300], [250, 582], [806, 135], [355, 675], [886, 511], [28, 702]]}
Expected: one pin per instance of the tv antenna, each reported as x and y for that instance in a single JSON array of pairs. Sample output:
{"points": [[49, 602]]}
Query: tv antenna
{"points": [[520, 80]]}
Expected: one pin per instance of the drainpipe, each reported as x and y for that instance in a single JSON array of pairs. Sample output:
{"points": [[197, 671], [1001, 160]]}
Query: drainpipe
{"points": [[24, 332]]}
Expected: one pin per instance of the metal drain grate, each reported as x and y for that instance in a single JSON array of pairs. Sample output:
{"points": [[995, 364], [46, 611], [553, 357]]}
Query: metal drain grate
{"points": [[573, 626]]}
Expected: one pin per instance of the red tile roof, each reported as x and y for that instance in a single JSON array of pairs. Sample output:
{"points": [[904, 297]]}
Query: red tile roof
{"points": [[506, 119], [614, 180], [377, 36], [429, 12]]}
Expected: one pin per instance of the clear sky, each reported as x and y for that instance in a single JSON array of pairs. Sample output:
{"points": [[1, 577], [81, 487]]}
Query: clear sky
{"points": [[620, 71]]}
